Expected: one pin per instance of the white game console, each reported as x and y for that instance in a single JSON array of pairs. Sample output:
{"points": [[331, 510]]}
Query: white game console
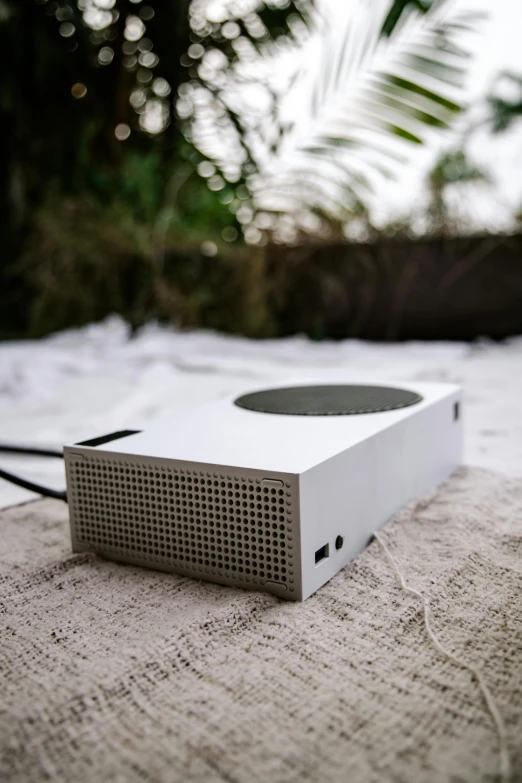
{"points": [[277, 490]]}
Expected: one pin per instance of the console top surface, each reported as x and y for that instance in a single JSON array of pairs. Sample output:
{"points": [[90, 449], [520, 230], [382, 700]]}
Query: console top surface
{"points": [[223, 433]]}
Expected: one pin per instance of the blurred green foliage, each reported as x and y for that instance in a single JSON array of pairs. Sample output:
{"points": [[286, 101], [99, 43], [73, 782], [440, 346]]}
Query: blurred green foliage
{"points": [[91, 224], [398, 7], [76, 203], [83, 261], [505, 111]]}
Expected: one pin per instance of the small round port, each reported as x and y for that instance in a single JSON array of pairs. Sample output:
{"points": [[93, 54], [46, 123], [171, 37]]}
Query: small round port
{"points": [[339, 541]]}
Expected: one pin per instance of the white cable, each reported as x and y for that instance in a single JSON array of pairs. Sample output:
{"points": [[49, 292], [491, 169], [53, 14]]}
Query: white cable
{"points": [[505, 763]]}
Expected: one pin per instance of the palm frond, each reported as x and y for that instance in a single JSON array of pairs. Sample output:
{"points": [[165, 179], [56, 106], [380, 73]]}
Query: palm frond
{"points": [[370, 100]]}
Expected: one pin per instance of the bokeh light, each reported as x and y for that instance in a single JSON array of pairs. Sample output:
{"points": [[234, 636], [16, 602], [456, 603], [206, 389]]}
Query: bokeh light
{"points": [[67, 29], [206, 168], [105, 55], [134, 28], [155, 117], [161, 87], [145, 45], [143, 76], [209, 248], [122, 131], [196, 51], [78, 90], [216, 182], [229, 234]]}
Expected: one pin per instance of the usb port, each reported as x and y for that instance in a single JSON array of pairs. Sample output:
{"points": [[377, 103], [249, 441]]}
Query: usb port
{"points": [[322, 554]]}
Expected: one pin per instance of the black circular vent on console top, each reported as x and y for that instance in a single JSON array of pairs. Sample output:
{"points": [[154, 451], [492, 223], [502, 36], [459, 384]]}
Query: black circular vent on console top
{"points": [[347, 400]]}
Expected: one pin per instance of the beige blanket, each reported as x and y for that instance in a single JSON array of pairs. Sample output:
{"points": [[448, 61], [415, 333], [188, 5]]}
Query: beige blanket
{"points": [[113, 673]]}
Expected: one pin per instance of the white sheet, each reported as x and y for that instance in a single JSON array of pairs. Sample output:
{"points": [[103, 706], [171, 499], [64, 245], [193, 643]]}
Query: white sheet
{"points": [[89, 381]]}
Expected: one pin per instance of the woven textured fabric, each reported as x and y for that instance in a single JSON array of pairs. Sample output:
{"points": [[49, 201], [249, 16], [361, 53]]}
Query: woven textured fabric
{"points": [[333, 400], [115, 673]]}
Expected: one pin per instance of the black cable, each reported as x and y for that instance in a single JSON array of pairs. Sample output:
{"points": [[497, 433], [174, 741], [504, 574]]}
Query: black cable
{"points": [[45, 491], [20, 482], [9, 449]]}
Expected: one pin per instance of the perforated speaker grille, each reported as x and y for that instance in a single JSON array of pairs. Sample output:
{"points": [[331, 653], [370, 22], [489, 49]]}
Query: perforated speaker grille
{"points": [[328, 400], [231, 528]]}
